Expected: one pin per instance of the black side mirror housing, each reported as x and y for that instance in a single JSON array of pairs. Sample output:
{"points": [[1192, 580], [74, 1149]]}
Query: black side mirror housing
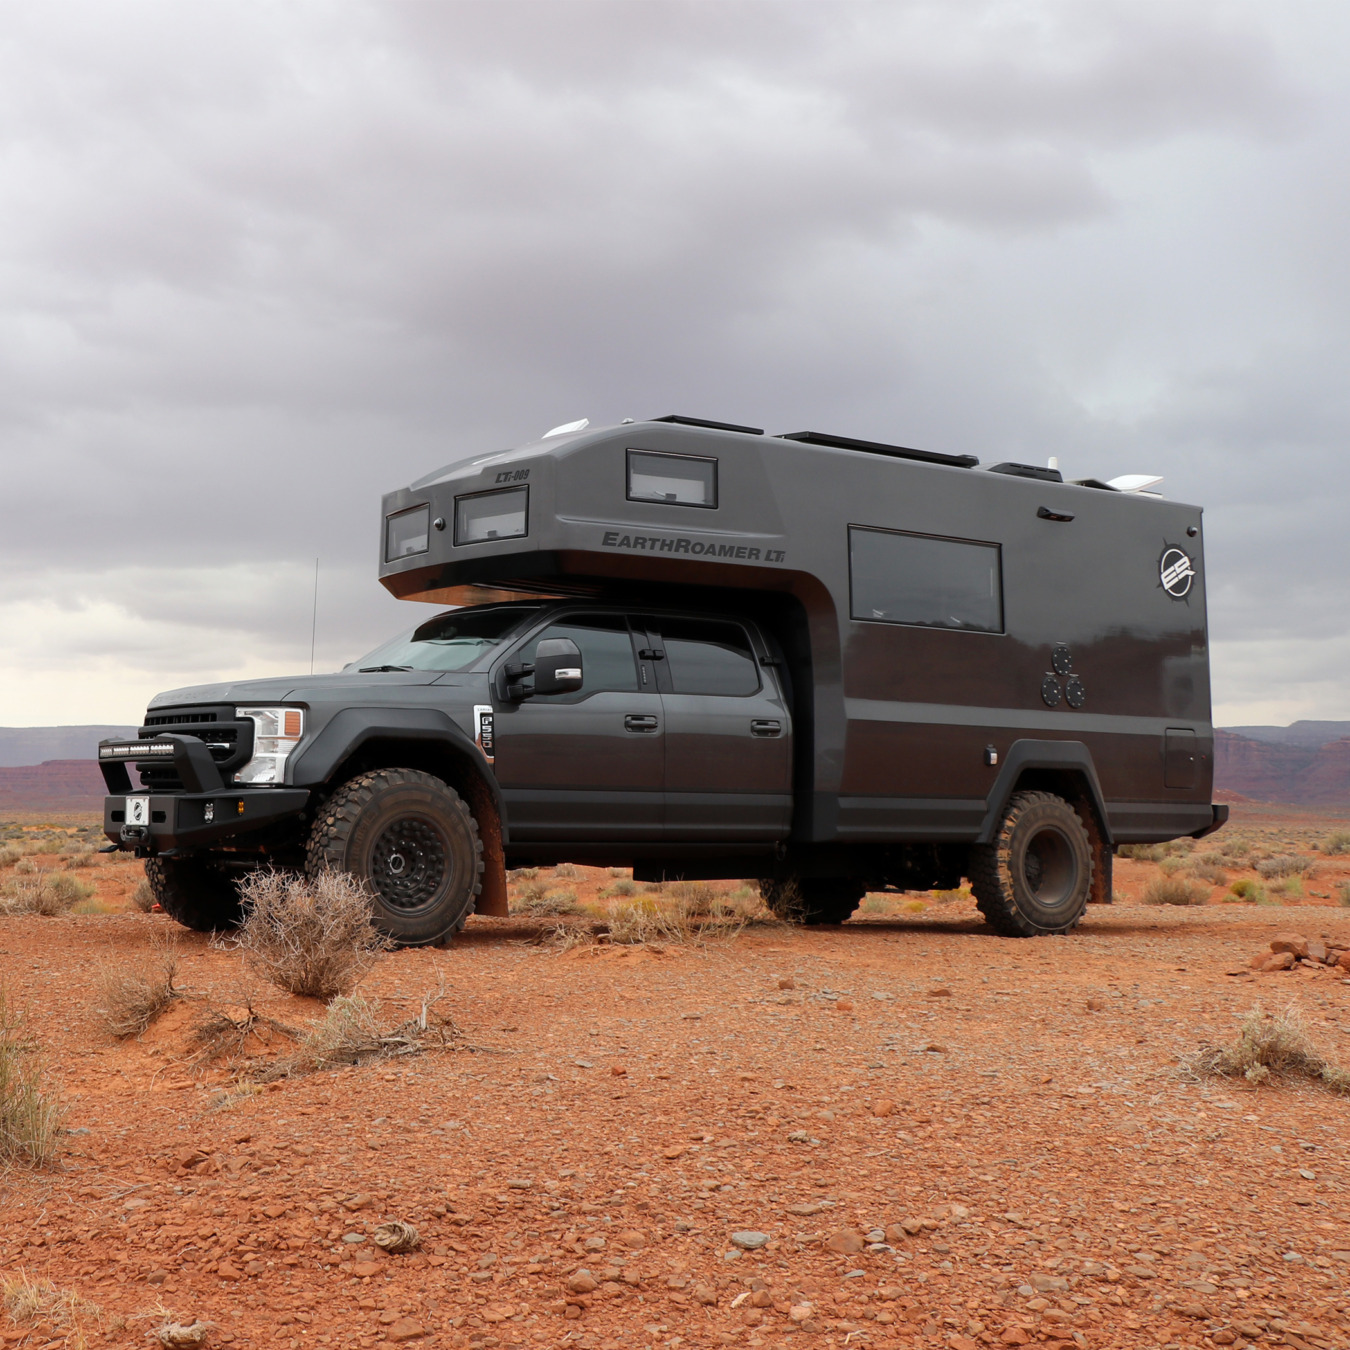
{"points": [[556, 670]]}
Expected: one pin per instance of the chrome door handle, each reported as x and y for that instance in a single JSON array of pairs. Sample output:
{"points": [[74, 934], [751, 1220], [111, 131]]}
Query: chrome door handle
{"points": [[763, 726], [639, 722]]}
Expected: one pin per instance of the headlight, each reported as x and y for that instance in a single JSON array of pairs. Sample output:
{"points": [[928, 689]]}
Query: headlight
{"points": [[276, 732]]}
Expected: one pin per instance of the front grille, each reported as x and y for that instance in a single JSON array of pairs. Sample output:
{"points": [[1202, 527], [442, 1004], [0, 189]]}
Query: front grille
{"points": [[230, 741]]}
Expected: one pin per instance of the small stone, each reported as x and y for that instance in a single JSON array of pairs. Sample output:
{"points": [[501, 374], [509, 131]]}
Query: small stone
{"points": [[365, 1269], [353, 1237], [884, 1107], [1343, 960], [678, 1151], [519, 1184], [595, 1244], [582, 1282], [1191, 1310], [1293, 1258], [633, 1238], [845, 1241], [226, 1271], [705, 1294], [355, 1202], [405, 1329], [617, 1070], [1049, 1282], [800, 1312], [843, 1005], [1279, 961], [934, 1048], [749, 1240], [1307, 1175], [1294, 943], [1317, 951], [1223, 1337], [1096, 1005], [787, 982], [189, 1158], [940, 992], [1014, 1336]]}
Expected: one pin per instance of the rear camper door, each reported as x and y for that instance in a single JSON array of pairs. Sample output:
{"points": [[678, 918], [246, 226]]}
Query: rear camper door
{"points": [[587, 765], [728, 733]]}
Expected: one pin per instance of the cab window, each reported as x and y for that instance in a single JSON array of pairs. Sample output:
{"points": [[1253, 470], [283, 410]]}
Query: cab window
{"points": [[708, 656]]}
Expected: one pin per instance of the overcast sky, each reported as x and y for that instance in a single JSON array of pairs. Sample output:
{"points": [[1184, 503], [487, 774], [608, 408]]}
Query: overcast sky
{"points": [[261, 262]]}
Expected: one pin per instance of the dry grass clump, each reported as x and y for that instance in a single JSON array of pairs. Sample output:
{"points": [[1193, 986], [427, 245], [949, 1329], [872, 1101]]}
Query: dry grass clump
{"points": [[131, 996], [142, 897], [30, 1115], [46, 893], [310, 937], [1272, 1048], [684, 911], [30, 1300], [9, 855], [1173, 891], [1287, 865], [1338, 841], [1209, 872], [1343, 894], [350, 1033], [541, 903]]}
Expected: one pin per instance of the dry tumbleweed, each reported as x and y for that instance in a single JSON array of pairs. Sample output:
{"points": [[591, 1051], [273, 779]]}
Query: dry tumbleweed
{"points": [[178, 1337]]}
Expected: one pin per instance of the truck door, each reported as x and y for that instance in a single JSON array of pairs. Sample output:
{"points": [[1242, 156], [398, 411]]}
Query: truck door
{"points": [[728, 733], [587, 765]]}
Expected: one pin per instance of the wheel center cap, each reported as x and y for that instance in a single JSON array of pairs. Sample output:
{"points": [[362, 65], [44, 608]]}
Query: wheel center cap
{"points": [[396, 864]]}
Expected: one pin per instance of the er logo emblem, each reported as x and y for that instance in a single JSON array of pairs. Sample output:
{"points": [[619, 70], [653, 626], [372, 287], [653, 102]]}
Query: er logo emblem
{"points": [[1176, 572]]}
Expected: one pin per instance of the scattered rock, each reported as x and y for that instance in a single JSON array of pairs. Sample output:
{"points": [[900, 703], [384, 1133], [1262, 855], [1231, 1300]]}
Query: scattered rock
{"points": [[843, 1005], [1096, 1005], [884, 1107], [845, 1241], [365, 1269], [396, 1236], [1294, 943], [800, 1312], [705, 1294], [749, 1240], [1317, 951], [787, 982], [176, 1335], [940, 992], [633, 1238], [405, 1329], [1190, 1310], [582, 1282], [1049, 1283]]}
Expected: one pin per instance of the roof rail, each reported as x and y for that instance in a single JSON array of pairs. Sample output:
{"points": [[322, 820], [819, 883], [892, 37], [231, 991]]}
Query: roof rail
{"points": [[877, 448], [703, 422]]}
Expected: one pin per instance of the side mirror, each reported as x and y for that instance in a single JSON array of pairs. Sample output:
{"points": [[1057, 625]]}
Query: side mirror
{"points": [[557, 666]]}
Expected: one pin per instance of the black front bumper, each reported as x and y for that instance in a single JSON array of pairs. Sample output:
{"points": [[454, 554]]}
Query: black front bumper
{"points": [[189, 820]]}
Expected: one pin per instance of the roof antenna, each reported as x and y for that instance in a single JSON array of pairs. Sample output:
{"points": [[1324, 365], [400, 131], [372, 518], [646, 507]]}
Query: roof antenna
{"points": [[314, 617], [580, 425]]}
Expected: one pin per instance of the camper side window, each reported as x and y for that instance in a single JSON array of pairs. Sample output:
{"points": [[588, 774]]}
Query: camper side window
{"points": [[925, 580], [679, 480]]}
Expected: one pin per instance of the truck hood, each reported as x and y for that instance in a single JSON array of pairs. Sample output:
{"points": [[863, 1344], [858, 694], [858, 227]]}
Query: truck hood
{"points": [[296, 687]]}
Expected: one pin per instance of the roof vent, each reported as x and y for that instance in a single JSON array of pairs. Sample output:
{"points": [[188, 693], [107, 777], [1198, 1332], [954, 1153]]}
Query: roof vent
{"points": [[1135, 482], [567, 427], [877, 448], [1029, 471], [703, 422]]}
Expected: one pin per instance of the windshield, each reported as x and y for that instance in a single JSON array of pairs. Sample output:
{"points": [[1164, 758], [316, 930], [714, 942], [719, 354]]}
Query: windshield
{"points": [[451, 641]]}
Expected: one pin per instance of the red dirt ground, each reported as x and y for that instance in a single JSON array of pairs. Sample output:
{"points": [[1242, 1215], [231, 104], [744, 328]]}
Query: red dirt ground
{"points": [[623, 1112]]}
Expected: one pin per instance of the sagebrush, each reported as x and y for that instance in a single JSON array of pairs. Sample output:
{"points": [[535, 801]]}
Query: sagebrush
{"points": [[132, 994], [31, 1299], [313, 937], [46, 893], [1173, 891]]}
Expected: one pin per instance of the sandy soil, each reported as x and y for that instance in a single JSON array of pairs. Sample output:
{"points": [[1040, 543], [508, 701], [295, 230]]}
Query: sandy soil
{"points": [[578, 1169]]}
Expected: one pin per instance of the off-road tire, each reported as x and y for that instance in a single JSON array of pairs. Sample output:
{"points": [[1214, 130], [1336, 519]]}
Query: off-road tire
{"points": [[195, 892], [811, 900], [1035, 878], [413, 841]]}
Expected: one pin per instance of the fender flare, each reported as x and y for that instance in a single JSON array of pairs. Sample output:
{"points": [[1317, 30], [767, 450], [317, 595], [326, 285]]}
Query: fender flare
{"points": [[1073, 756], [352, 728]]}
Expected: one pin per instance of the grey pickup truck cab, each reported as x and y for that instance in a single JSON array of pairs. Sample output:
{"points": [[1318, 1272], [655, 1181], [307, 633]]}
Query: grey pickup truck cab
{"points": [[699, 651]]}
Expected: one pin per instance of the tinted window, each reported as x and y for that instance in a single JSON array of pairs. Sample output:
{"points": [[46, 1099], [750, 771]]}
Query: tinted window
{"points": [[406, 533], [682, 480], [920, 579], [450, 641], [606, 651], [708, 657], [492, 515]]}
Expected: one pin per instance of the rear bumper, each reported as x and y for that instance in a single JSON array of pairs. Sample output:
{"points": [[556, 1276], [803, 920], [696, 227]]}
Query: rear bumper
{"points": [[198, 819]]}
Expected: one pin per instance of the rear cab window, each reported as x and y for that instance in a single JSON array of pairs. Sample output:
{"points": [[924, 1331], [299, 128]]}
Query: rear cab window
{"points": [[703, 656]]}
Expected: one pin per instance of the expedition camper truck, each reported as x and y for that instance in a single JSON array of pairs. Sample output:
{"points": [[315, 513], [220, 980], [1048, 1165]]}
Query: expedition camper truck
{"points": [[703, 652]]}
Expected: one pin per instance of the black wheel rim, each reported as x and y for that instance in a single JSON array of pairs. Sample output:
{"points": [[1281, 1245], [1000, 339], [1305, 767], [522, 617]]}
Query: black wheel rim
{"points": [[410, 863], [1049, 869]]}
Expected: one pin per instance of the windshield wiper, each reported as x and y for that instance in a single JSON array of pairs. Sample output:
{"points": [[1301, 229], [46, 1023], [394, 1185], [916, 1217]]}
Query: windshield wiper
{"points": [[365, 669]]}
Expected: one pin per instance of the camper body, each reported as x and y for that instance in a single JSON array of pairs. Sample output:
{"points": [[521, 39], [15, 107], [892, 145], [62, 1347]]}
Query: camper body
{"points": [[829, 664]]}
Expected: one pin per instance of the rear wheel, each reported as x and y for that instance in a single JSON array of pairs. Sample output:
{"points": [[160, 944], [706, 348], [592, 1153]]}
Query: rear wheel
{"points": [[415, 844], [1036, 876], [812, 900], [195, 892]]}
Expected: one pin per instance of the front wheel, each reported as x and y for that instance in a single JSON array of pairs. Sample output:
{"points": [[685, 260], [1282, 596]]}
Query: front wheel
{"points": [[812, 900], [413, 841], [195, 892], [1035, 877]]}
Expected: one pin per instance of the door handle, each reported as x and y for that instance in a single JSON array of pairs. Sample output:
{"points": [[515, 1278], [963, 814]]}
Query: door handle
{"points": [[640, 722], [763, 726], [651, 654]]}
